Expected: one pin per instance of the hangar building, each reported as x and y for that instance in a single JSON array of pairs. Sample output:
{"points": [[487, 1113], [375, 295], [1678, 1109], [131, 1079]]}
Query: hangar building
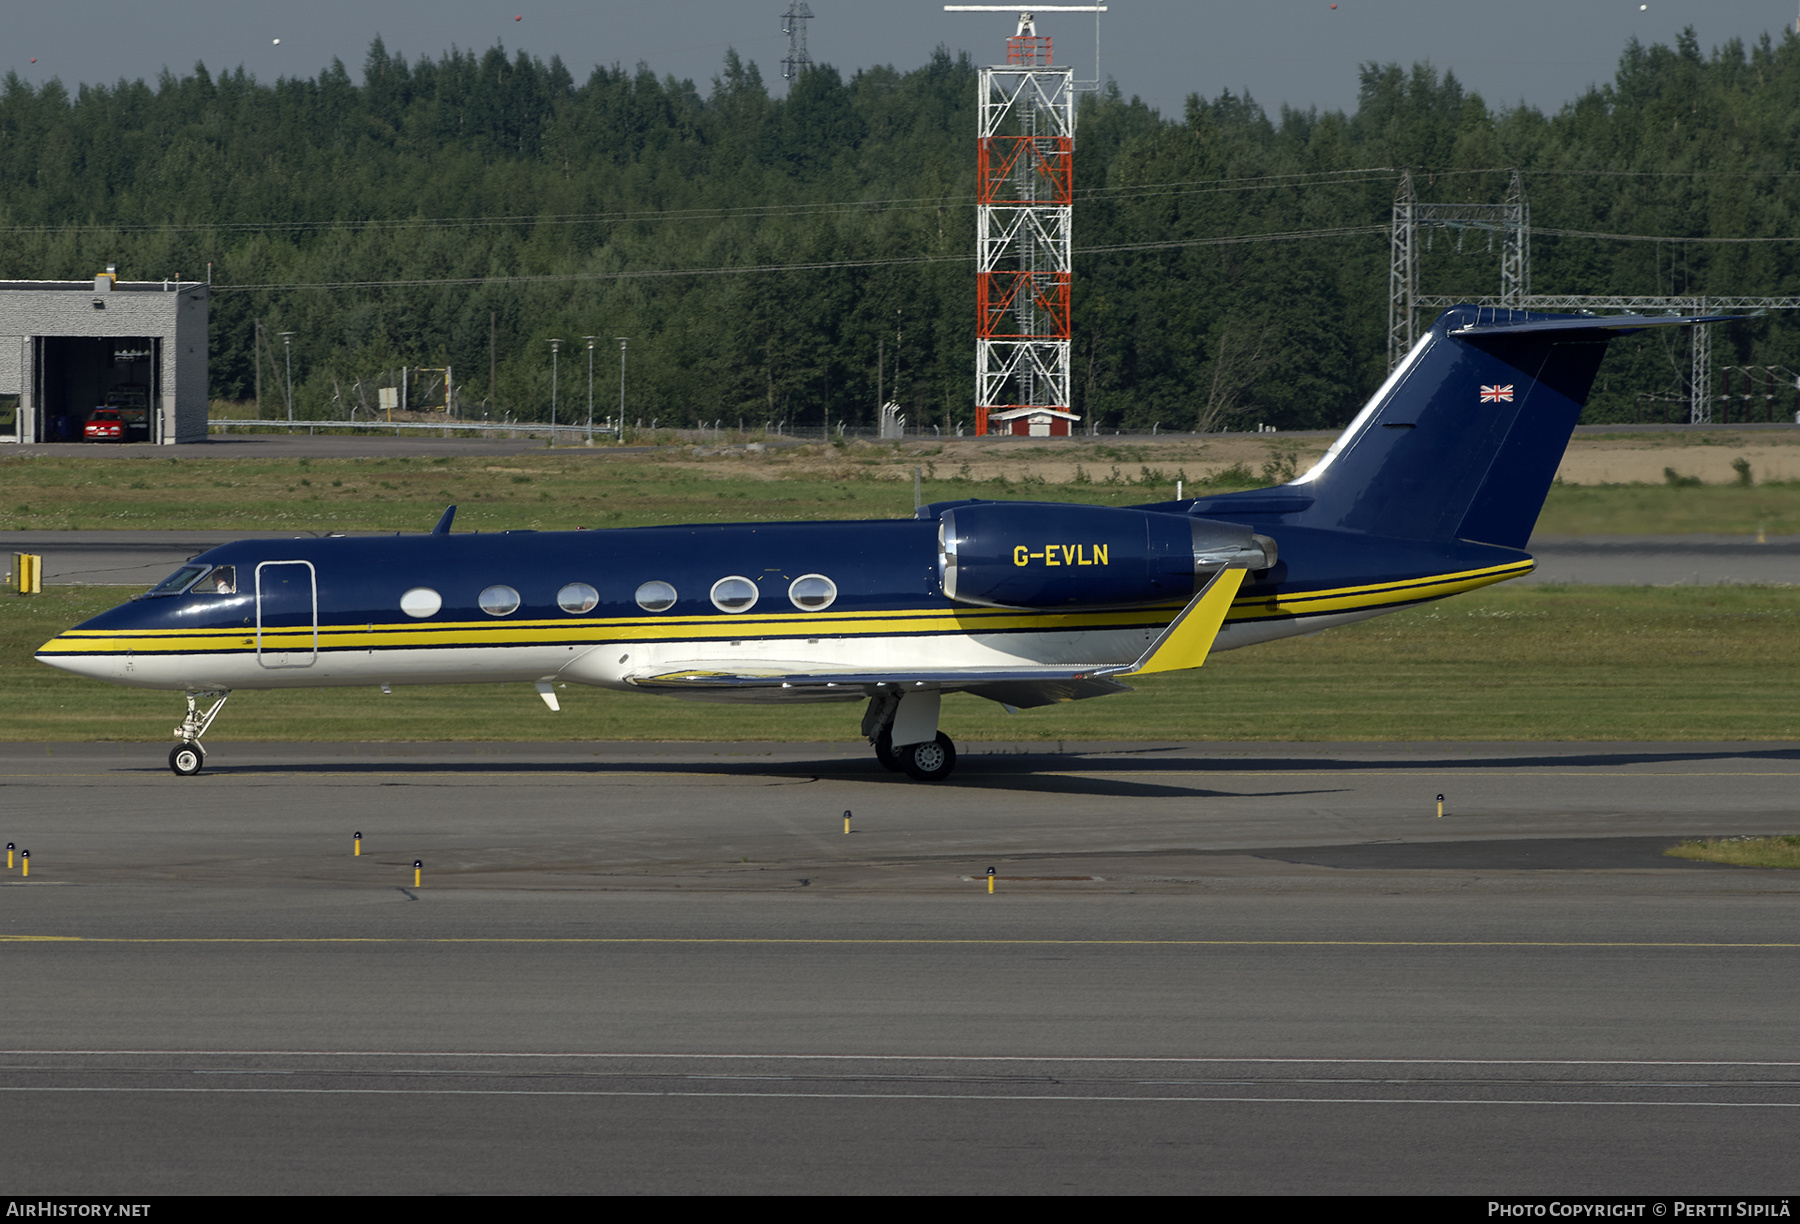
{"points": [[69, 347]]}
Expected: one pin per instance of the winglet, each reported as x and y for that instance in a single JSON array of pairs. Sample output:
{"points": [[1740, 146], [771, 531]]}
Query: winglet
{"points": [[1189, 637], [443, 526]]}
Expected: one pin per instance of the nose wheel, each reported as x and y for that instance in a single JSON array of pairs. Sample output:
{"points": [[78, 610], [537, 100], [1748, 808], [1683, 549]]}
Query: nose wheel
{"points": [[188, 758]]}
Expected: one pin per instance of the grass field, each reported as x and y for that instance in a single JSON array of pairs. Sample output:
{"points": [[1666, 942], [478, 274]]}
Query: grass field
{"points": [[1530, 663], [1741, 851], [604, 487], [1644, 509], [542, 490]]}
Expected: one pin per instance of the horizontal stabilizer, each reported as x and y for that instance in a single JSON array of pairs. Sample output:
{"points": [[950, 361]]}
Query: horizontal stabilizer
{"points": [[1593, 323]]}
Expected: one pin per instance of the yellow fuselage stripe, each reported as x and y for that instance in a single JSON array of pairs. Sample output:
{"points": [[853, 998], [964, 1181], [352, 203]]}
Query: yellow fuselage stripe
{"points": [[899, 623]]}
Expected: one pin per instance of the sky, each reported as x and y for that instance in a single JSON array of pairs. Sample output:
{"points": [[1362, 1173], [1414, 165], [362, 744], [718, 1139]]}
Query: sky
{"points": [[1301, 53]]}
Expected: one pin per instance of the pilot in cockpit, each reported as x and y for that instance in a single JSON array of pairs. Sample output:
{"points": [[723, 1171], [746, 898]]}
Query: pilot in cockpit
{"points": [[222, 581]]}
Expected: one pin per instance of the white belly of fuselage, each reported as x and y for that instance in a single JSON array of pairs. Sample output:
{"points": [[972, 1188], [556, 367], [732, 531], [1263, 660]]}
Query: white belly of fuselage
{"points": [[614, 665]]}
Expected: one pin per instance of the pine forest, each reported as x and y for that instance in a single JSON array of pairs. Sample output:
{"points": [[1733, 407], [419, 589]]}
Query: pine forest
{"points": [[797, 252]]}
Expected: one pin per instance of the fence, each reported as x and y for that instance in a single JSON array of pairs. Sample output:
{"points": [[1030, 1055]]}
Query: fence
{"points": [[718, 434]]}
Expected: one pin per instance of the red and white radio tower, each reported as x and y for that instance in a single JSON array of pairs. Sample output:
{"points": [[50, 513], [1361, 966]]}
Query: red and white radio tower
{"points": [[1024, 189]]}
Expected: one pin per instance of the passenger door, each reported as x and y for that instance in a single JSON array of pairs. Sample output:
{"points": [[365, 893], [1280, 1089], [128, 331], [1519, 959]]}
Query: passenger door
{"points": [[287, 614]]}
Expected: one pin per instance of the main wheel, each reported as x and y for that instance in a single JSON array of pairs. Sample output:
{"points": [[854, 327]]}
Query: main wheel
{"points": [[186, 759], [931, 761], [884, 751]]}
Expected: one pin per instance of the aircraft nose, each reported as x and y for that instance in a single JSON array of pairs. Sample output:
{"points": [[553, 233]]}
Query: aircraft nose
{"points": [[70, 653]]}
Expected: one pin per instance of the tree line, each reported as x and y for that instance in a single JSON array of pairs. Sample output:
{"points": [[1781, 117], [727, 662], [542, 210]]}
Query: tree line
{"points": [[795, 257]]}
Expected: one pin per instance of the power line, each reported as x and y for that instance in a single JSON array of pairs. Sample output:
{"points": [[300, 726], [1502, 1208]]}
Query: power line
{"points": [[676, 214], [1569, 233], [563, 277], [828, 265], [839, 207], [814, 266], [1236, 239], [750, 211]]}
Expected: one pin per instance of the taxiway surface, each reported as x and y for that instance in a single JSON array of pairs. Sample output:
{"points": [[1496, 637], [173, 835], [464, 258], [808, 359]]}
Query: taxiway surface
{"points": [[1223, 967]]}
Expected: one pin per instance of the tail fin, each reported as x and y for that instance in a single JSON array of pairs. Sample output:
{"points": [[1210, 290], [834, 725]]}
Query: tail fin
{"points": [[1464, 438]]}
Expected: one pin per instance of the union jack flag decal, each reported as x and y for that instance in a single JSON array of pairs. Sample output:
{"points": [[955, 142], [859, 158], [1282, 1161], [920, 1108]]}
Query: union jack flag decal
{"points": [[1496, 395]]}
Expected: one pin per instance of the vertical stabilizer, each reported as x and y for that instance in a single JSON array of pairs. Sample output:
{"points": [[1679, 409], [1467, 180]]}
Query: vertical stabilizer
{"points": [[1464, 438]]}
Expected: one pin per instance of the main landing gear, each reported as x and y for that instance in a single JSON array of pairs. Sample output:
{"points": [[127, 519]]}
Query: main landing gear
{"points": [[924, 754], [187, 758]]}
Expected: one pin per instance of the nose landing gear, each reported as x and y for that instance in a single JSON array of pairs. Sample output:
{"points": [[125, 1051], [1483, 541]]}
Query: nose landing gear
{"points": [[187, 758]]}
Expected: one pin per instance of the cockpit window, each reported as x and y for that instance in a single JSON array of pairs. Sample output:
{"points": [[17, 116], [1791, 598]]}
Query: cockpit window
{"points": [[222, 581], [177, 582]]}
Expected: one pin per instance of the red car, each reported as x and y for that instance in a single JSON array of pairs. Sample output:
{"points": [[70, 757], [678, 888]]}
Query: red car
{"points": [[104, 425]]}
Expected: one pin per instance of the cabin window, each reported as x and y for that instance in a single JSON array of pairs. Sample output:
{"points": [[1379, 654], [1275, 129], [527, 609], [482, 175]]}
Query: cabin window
{"points": [[812, 592], [578, 597], [499, 601], [421, 601], [656, 597], [734, 594]]}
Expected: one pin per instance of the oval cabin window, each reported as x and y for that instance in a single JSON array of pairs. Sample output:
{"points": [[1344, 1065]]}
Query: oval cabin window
{"points": [[578, 597], [421, 601], [656, 597], [812, 592], [734, 594], [499, 601]]}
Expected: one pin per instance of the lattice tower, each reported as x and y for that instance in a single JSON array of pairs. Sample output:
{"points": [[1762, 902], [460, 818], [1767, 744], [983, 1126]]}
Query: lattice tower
{"points": [[1513, 220], [793, 24], [1024, 207]]}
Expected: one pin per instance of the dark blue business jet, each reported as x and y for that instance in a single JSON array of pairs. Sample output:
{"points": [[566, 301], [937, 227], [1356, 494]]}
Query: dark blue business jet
{"points": [[1432, 490]]}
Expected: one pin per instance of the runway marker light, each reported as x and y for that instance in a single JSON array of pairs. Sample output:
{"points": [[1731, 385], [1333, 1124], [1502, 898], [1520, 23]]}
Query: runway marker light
{"points": [[990, 881], [9, 855], [846, 820], [1440, 807], [358, 851], [418, 866], [25, 856]]}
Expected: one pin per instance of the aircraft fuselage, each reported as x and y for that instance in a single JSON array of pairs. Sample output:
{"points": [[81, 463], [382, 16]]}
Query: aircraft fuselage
{"points": [[315, 612]]}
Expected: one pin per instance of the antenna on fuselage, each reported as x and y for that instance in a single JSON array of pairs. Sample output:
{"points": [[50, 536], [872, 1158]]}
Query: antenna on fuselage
{"points": [[443, 524]]}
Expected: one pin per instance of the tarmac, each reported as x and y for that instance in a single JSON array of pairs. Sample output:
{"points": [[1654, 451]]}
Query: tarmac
{"points": [[1243, 968]]}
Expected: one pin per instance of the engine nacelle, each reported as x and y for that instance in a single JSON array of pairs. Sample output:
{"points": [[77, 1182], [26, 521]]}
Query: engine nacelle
{"points": [[1049, 555]]}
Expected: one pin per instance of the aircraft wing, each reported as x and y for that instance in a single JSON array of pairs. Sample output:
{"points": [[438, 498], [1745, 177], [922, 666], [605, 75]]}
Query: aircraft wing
{"points": [[1021, 687], [1185, 643]]}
